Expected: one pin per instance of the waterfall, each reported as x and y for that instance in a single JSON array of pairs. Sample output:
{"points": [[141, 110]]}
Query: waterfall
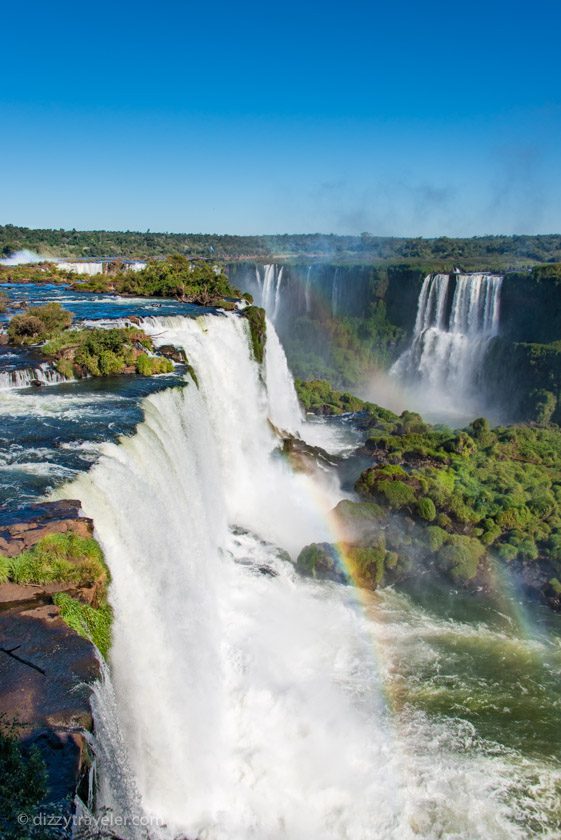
{"points": [[89, 268], [244, 701], [335, 294], [284, 409], [451, 336], [269, 278], [44, 374], [308, 290], [237, 693]]}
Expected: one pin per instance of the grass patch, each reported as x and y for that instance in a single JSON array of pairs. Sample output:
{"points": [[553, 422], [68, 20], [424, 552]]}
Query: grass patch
{"points": [[58, 558], [91, 623]]}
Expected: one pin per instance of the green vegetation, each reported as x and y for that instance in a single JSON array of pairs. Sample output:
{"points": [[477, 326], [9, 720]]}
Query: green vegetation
{"points": [[152, 365], [57, 558], [34, 273], [23, 789], [484, 487], [258, 330], [38, 324], [319, 397], [67, 558], [3, 302], [345, 348], [89, 622], [364, 565], [86, 351], [464, 493], [199, 282], [478, 252]]}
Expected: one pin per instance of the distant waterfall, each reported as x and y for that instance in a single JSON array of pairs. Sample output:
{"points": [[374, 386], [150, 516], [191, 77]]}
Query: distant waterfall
{"points": [[457, 316], [308, 290], [335, 294], [269, 278]]}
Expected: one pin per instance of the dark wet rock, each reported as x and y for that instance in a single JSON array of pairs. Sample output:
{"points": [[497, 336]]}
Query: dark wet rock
{"points": [[267, 571], [552, 595], [304, 457], [45, 669], [46, 672], [176, 354]]}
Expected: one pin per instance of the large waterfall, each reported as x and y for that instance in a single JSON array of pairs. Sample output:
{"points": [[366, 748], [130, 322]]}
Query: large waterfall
{"points": [[246, 702], [457, 316]]}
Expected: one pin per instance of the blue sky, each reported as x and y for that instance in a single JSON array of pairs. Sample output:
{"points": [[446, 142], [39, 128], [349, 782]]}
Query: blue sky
{"points": [[398, 118]]}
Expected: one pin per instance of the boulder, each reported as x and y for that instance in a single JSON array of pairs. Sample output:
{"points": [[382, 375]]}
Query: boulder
{"points": [[321, 560], [176, 354]]}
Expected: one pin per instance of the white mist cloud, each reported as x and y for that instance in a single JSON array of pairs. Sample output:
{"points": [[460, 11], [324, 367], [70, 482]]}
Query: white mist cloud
{"points": [[24, 257]]}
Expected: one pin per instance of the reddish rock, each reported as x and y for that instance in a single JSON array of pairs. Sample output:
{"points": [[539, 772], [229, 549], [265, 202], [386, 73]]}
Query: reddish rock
{"points": [[46, 668], [38, 521]]}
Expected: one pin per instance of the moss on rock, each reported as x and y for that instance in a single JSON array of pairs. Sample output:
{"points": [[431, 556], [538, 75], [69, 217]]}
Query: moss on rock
{"points": [[258, 330]]}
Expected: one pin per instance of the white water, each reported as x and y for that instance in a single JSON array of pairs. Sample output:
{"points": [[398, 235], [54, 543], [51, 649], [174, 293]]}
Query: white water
{"points": [[308, 290], [246, 705], [45, 374], [269, 279], [89, 268], [335, 294], [24, 257], [451, 336]]}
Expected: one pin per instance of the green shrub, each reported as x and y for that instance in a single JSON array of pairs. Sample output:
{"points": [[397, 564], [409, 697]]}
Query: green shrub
{"points": [[65, 368], [152, 365], [507, 552], [461, 556], [321, 560], [89, 622], [541, 406], [397, 494], [23, 789], [436, 537], [555, 585], [110, 364], [367, 564], [426, 509], [38, 323]]}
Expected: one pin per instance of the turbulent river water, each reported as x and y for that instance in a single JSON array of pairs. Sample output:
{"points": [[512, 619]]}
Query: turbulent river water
{"points": [[245, 702]]}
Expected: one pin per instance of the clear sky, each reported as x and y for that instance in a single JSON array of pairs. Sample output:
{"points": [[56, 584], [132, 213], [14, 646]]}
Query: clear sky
{"points": [[395, 117]]}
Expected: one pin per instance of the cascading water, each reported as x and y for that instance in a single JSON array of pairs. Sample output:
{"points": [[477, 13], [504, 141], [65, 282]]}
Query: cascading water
{"points": [[269, 278], [451, 336], [44, 374], [245, 701], [308, 290], [335, 294]]}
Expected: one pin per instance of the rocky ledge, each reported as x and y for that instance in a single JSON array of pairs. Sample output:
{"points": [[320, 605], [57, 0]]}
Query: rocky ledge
{"points": [[47, 668]]}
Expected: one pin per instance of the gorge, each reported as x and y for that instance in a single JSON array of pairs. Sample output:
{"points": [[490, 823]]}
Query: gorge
{"points": [[236, 655], [242, 698]]}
